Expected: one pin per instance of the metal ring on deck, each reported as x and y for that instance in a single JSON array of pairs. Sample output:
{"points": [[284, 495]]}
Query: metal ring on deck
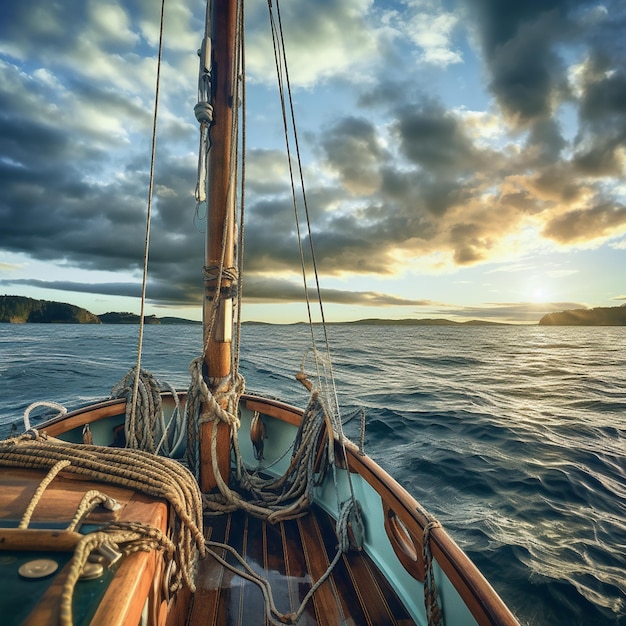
{"points": [[38, 568]]}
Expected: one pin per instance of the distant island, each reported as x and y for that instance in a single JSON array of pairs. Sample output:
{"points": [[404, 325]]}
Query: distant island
{"points": [[22, 310], [600, 316], [422, 322]]}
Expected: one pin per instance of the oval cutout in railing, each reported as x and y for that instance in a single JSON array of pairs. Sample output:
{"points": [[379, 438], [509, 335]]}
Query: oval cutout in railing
{"points": [[406, 546]]}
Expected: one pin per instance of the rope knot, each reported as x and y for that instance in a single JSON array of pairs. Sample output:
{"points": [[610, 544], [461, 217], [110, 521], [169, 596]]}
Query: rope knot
{"points": [[204, 112]]}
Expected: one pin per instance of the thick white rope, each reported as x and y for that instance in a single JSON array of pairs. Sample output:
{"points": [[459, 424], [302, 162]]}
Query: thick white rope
{"points": [[52, 405]]}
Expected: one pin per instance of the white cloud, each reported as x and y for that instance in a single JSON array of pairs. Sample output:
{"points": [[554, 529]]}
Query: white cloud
{"points": [[110, 23], [432, 34], [430, 30], [323, 40]]}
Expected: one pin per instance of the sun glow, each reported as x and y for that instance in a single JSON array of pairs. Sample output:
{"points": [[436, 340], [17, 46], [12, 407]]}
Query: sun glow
{"points": [[539, 294]]}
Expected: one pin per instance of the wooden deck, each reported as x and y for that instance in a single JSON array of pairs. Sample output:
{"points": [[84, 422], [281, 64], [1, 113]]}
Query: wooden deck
{"points": [[292, 556]]}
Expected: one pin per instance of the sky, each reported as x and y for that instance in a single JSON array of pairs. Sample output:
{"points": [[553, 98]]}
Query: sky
{"points": [[463, 159]]}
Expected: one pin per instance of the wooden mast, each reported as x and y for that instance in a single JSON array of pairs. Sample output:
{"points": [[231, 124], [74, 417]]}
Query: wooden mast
{"points": [[220, 237]]}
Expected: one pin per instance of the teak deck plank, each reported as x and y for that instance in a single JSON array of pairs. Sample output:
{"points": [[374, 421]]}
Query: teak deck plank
{"points": [[292, 556]]}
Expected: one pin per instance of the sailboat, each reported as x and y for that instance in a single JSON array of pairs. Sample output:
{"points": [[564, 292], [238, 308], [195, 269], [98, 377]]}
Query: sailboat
{"points": [[213, 505]]}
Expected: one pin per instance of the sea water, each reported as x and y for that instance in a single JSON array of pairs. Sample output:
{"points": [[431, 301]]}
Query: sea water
{"points": [[514, 437]]}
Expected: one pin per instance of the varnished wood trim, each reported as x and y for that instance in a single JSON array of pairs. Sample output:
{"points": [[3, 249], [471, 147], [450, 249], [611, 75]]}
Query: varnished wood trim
{"points": [[206, 606], [86, 415], [405, 544], [274, 408], [128, 591], [126, 595], [208, 482], [293, 555], [32, 539], [93, 413], [327, 610], [476, 592]]}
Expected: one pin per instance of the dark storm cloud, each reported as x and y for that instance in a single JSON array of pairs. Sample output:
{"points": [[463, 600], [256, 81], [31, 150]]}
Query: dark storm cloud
{"points": [[74, 159], [522, 44], [517, 40], [255, 290], [156, 292], [436, 140], [602, 137], [277, 290], [114, 289], [409, 207], [353, 149], [586, 224], [569, 185]]}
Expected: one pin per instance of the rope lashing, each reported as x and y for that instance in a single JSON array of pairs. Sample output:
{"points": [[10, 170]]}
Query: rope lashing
{"points": [[212, 274], [129, 537], [290, 495], [431, 602], [205, 406]]}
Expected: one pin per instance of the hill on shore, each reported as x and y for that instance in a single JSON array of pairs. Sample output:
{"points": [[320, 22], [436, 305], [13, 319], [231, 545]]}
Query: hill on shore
{"points": [[600, 316], [21, 310]]}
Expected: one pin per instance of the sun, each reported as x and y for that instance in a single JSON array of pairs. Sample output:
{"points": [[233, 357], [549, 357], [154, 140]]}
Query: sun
{"points": [[539, 294]]}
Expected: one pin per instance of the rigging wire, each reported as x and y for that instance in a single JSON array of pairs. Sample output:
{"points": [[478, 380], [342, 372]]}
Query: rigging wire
{"points": [[240, 235], [280, 55], [283, 56], [130, 435], [281, 69]]}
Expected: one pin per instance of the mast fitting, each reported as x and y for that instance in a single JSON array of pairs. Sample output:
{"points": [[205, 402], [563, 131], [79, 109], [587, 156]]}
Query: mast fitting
{"points": [[204, 112]]}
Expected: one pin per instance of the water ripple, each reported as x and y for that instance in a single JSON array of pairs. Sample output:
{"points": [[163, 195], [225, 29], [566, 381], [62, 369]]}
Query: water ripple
{"points": [[514, 437]]}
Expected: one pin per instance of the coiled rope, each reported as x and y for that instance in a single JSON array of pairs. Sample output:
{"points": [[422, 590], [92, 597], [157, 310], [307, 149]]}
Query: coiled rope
{"points": [[286, 497], [144, 426]]}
